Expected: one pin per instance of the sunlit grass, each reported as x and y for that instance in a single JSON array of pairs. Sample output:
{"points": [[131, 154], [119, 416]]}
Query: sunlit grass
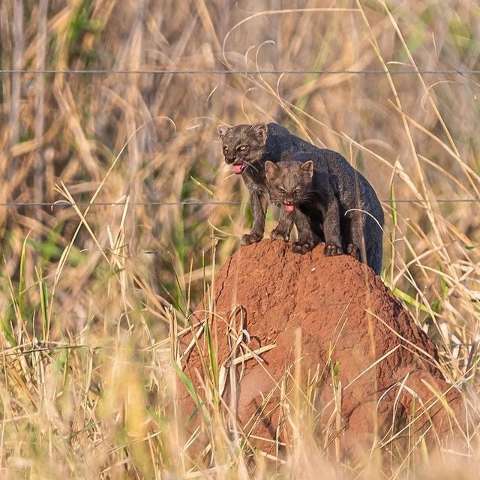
{"points": [[93, 301]]}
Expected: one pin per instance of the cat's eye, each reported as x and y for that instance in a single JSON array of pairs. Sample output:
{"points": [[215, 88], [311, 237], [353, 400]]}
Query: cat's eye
{"points": [[242, 148], [283, 190]]}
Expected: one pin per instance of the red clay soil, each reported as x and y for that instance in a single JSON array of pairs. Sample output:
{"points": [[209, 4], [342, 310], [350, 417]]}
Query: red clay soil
{"points": [[335, 314]]}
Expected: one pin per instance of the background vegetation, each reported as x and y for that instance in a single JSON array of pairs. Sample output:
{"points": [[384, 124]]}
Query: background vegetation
{"points": [[88, 295]]}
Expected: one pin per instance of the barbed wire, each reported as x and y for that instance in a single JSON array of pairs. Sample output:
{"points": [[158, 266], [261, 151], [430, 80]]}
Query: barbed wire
{"points": [[64, 204], [16, 71]]}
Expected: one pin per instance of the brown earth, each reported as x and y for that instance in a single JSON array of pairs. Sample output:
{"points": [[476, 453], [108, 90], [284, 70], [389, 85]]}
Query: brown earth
{"points": [[352, 337]]}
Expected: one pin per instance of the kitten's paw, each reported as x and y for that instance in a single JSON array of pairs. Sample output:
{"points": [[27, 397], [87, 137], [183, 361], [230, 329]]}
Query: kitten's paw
{"points": [[331, 250], [303, 247], [249, 238], [278, 234], [353, 250]]}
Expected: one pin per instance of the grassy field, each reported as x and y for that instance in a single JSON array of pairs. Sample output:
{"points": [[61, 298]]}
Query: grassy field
{"points": [[91, 296]]}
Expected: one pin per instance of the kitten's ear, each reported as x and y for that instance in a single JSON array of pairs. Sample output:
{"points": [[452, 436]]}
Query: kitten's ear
{"points": [[270, 169], [307, 167], [222, 130], [260, 131]]}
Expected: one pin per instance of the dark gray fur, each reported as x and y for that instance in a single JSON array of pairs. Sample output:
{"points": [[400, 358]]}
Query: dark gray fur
{"points": [[340, 188], [289, 185]]}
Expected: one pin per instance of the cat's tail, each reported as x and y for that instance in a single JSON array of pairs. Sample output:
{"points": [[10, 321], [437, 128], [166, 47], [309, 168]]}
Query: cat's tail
{"points": [[374, 243]]}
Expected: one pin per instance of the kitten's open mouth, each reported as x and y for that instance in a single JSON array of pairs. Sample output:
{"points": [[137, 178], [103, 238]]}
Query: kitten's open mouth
{"points": [[289, 207], [239, 167]]}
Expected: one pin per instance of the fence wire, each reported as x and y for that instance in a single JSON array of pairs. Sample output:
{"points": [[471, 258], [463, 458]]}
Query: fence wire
{"points": [[64, 204], [413, 71]]}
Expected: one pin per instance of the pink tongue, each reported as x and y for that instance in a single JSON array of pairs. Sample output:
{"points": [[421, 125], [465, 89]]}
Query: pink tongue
{"points": [[238, 168], [289, 208]]}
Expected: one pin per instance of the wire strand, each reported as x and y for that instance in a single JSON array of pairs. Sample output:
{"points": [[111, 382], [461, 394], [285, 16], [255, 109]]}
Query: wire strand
{"points": [[67, 204], [10, 71], [62, 204]]}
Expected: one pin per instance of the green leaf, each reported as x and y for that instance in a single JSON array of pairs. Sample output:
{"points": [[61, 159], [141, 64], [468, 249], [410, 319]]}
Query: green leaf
{"points": [[184, 378], [410, 300], [21, 279], [43, 305], [393, 205]]}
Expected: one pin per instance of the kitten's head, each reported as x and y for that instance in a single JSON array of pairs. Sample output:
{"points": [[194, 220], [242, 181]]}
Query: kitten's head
{"points": [[289, 182], [243, 145]]}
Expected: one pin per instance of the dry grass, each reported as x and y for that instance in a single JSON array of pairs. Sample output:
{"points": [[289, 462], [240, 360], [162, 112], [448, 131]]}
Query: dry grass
{"points": [[90, 297]]}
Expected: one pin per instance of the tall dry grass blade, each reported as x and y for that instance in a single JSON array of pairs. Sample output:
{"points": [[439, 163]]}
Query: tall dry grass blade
{"points": [[40, 100]]}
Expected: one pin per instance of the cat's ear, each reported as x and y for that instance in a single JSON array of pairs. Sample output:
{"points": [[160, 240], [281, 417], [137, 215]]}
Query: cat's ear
{"points": [[222, 130], [260, 131], [270, 169], [307, 167]]}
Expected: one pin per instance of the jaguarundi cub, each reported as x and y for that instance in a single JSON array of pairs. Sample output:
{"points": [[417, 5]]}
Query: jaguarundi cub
{"points": [[302, 185]]}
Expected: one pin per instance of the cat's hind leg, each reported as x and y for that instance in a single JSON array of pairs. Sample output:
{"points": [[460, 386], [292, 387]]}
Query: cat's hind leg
{"points": [[332, 229], [357, 246]]}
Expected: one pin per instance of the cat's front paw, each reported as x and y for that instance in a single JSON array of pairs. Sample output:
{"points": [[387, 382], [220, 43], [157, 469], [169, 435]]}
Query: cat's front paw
{"points": [[252, 237], [280, 234], [353, 250], [303, 247], [331, 250]]}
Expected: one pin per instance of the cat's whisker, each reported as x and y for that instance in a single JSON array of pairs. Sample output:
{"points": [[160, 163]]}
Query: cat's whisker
{"points": [[252, 166]]}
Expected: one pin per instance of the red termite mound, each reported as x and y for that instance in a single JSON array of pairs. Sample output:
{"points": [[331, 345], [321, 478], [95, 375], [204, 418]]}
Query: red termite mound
{"points": [[329, 322]]}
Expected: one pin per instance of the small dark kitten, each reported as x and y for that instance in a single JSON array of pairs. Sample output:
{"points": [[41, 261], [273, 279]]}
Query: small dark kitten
{"points": [[309, 186], [289, 184]]}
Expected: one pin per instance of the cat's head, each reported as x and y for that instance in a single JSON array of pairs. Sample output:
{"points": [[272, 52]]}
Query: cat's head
{"points": [[243, 145], [289, 183]]}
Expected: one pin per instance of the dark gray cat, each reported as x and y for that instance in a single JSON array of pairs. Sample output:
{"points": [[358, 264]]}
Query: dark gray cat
{"points": [[288, 184], [304, 185], [248, 147], [244, 147]]}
